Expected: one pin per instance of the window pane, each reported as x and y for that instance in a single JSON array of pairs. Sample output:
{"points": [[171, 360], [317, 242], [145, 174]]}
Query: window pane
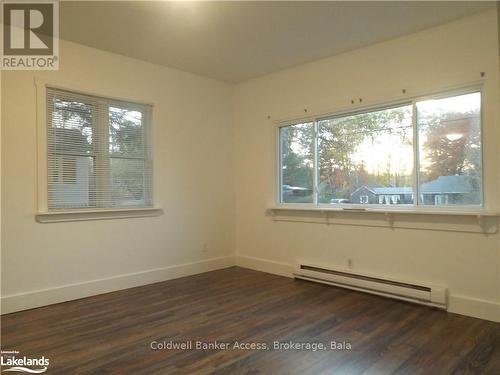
{"points": [[70, 146], [125, 132], [71, 127], [297, 163], [366, 158], [71, 181], [450, 150], [129, 183]]}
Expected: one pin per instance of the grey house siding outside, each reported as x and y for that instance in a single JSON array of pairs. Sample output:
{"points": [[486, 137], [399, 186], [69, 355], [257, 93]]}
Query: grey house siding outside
{"points": [[449, 190], [363, 191], [382, 195]]}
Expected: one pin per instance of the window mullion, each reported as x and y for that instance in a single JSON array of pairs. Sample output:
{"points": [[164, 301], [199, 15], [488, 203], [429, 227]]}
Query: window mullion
{"points": [[416, 156], [102, 155], [315, 163], [148, 157], [280, 165]]}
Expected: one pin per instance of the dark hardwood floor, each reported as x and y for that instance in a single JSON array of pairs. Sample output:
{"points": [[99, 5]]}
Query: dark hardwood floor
{"points": [[112, 333]]}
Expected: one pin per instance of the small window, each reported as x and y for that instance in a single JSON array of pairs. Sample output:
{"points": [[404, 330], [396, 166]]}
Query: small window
{"points": [[363, 199], [98, 152]]}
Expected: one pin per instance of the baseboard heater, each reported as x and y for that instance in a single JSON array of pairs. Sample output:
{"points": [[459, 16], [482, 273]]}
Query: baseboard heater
{"points": [[426, 294]]}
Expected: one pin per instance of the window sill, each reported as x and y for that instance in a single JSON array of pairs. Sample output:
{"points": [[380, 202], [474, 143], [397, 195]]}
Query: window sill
{"points": [[392, 210], [472, 220], [105, 214]]}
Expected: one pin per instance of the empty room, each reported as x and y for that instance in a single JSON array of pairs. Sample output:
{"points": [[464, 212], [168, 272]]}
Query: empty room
{"points": [[250, 187]]}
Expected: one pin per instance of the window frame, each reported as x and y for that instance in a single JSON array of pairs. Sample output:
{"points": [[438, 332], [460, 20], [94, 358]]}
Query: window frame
{"points": [[42, 212], [409, 101]]}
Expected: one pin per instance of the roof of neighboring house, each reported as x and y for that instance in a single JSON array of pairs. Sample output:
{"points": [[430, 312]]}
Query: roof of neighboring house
{"points": [[386, 190], [441, 185], [369, 188], [448, 184], [393, 190]]}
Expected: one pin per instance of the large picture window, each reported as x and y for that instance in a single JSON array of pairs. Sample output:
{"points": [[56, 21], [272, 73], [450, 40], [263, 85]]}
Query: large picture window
{"points": [[98, 152], [424, 152]]}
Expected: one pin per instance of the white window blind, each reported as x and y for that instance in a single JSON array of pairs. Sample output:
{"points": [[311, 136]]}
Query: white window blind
{"points": [[99, 152]]}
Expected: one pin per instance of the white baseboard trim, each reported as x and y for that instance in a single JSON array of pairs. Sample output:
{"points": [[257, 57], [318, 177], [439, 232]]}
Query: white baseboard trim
{"points": [[37, 298], [477, 308], [463, 305], [458, 304], [265, 265]]}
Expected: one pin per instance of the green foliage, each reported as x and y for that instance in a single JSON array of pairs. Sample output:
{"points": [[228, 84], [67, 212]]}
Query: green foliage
{"points": [[339, 138], [125, 132], [298, 155], [449, 157], [71, 129]]}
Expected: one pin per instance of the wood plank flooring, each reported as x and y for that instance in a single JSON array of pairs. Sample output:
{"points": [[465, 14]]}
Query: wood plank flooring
{"points": [[112, 333]]}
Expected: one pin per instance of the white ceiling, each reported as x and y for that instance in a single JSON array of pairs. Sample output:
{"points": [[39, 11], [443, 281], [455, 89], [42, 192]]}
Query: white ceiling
{"points": [[234, 41]]}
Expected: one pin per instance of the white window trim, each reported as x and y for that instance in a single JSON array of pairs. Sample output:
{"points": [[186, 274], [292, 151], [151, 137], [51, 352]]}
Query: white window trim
{"points": [[43, 215], [96, 214], [416, 207], [486, 222]]}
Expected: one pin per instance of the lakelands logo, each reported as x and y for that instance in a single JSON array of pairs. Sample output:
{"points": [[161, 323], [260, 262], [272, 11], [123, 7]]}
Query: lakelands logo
{"points": [[25, 364], [30, 35]]}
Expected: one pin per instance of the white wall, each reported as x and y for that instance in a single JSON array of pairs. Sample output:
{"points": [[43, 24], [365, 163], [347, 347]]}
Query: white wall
{"points": [[435, 59], [192, 117]]}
